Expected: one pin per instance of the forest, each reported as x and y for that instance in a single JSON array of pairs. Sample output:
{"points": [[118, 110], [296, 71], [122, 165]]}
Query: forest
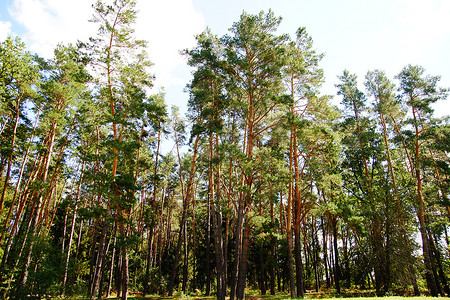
{"points": [[269, 185]]}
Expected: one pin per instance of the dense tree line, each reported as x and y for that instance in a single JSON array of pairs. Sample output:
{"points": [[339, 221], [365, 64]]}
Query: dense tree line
{"points": [[269, 186]]}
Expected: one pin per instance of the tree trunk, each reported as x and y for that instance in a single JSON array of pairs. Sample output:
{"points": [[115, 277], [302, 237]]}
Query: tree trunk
{"points": [[98, 267], [111, 268], [431, 283], [66, 264], [315, 255], [325, 253], [210, 198], [337, 270], [11, 156], [186, 200], [272, 255], [288, 220], [185, 263], [125, 275], [238, 250], [243, 264], [102, 274], [148, 262], [262, 271], [26, 229], [220, 256], [298, 262], [437, 258]]}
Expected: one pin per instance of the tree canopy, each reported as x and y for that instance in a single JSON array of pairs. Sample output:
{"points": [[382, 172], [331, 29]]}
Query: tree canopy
{"points": [[269, 185]]}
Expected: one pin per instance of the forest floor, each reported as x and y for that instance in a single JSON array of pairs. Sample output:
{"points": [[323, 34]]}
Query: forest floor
{"points": [[285, 296], [255, 295]]}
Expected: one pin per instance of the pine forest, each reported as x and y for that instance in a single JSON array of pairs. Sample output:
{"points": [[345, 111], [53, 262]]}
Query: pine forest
{"points": [[268, 184]]}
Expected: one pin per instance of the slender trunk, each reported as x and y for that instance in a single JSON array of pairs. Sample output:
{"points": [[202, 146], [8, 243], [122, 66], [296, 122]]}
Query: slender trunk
{"points": [[194, 249], [315, 255], [219, 251], [185, 263], [66, 264], [22, 200], [345, 257], [289, 218], [262, 271], [241, 206], [243, 264], [186, 200], [272, 254], [337, 270], [11, 156], [111, 268], [98, 267], [12, 235], [331, 260], [225, 254], [72, 230], [148, 262], [209, 199], [441, 273], [31, 241], [153, 205], [102, 273], [298, 262], [20, 252], [401, 220], [93, 253], [431, 283], [125, 275], [118, 273], [325, 253], [238, 250]]}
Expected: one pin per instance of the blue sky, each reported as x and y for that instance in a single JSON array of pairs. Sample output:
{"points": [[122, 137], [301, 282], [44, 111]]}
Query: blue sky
{"points": [[353, 34]]}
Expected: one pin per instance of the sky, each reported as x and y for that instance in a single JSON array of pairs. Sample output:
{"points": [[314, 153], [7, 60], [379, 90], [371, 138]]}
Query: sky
{"points": [[353, 34]]}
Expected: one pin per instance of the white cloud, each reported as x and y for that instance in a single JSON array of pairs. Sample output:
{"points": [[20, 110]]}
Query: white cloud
{"points": [[49, 22], [168, 26], [5, 30]]}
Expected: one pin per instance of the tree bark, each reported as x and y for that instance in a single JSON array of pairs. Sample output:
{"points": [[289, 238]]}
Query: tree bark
{"points": [[243, 264], [186, 261], [431, 283], [262, 271], [288, 220], [186, 200], [11, 156], [98, 267], [238, 250], [111, 268], [298, 262], [337, 270], [437, 257], [148, 262], [219, 251], [125, 274]]}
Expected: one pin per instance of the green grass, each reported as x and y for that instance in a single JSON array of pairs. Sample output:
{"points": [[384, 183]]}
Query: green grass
{"points": [[254, 295], [286, 297]]}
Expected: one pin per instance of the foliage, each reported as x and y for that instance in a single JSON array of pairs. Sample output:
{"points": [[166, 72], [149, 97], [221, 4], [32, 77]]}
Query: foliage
{"points": [[269, 188]]}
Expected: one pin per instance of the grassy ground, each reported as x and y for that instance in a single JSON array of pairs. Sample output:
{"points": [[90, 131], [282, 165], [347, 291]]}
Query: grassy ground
{"points": [[254, 295], [286, 297], [283, 296]]}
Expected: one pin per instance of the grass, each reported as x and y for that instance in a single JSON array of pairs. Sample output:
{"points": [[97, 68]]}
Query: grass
{"points": [[254, 295], [287, 297]]}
